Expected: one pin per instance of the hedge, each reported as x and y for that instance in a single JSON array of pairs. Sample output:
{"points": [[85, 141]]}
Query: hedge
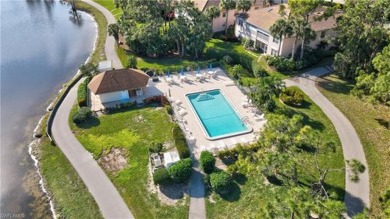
{"points": [[161, 176], [238, 58], [185, 64], [82, 115], [221, 182], [160, 99], [181, 170], [180, 142], [207, 162], [82, 92]]}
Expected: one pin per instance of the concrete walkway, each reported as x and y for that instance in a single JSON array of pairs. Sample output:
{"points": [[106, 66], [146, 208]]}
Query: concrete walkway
{"points": [[99, 185], [357, 195], [197, 194], [109, 46]]}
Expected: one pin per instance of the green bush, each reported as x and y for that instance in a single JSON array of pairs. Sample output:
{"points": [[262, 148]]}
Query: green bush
{"points": [[238, 71], [180, 142], [169, 109], [207, 162], [82, 92], [181, 171], [132, 61], [161, 176], [292, 96], [155, 147], [258, 70], [82, 115], [281, 63], [221, 182]]}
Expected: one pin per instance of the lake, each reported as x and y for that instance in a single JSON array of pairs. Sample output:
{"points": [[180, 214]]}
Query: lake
{"points": [[41, 49]]}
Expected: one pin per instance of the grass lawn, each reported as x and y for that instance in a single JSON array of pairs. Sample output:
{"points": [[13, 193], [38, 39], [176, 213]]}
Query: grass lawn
{"points": [[133, 130], [70, 195], [370, 122], [110, 5], [252, 193]]}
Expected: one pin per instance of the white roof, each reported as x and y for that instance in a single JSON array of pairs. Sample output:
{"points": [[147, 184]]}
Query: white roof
{"points": [[171, 158], [105, 65]]}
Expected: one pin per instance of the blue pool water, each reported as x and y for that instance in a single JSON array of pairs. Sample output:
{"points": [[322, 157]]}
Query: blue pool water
{"points": [[217, 116]]}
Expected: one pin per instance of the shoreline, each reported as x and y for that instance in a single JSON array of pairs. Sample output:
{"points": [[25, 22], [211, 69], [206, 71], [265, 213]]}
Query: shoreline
{"points": [[35, 146]]}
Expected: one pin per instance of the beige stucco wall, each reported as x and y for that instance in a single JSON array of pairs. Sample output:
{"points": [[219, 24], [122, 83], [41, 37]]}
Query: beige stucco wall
{"points": [[287, 43], [219, 22], [113, 96]]}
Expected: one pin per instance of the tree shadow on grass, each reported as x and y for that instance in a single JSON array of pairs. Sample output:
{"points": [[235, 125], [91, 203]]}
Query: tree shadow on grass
{"points": [[383, 123], [92, 122], [240, 178], [274, 180], [304, 105], [334, 86], [233, 195], [290, 112], [174, 190]]}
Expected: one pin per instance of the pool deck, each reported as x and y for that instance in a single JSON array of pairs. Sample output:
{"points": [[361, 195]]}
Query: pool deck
{"points": [[176, 91]]}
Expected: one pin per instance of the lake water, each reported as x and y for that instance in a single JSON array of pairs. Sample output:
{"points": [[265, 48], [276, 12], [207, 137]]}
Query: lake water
{"points": [[41, 49]]}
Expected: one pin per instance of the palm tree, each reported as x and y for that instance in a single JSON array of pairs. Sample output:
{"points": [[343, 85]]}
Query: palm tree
{"points": [[113, 30], [227, 5], [281, 28], [211, 13], [307, 35], [298, 31], [243, 5]]}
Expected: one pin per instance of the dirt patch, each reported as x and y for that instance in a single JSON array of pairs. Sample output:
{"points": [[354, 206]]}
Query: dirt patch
{"points": [[114, 160]]}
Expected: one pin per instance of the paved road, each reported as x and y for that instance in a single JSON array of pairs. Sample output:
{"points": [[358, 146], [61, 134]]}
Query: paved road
{"points": [[357, 194], [99, 185], [109, 46]]}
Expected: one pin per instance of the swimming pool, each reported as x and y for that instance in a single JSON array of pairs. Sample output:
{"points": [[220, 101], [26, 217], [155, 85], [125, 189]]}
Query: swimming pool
{"points": [[216, 115]]}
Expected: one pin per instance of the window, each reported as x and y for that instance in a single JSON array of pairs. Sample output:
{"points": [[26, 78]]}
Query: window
{"points": [[274, 52], [275, 40], [224, 14], [262, 35]]}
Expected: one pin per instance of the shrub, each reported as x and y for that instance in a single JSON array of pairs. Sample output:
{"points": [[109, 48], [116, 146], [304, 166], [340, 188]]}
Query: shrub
{"points": [[249, 44], [221, 182], [181, 170], [82, 92], [161, 176], [258, 70], [292, 96], [238, 71], [160, 99], [82, 115], [207, 162], [132, 61], [169, 109], [227, 59], [155, 147], [180, 142]]}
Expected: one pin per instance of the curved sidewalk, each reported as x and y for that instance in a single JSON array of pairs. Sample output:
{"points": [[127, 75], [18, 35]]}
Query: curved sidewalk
{"points": [[357, 195], [109, 46], [99, 185]]}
